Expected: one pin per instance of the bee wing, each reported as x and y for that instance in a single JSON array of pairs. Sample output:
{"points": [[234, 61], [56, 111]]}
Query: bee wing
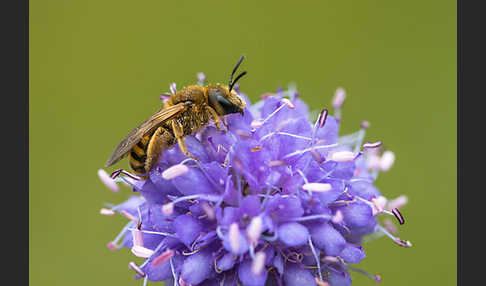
{"points": [[148, 125]]}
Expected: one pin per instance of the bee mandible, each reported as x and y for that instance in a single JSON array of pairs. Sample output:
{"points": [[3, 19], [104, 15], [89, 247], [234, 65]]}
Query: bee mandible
{"points": [[185, 112]]}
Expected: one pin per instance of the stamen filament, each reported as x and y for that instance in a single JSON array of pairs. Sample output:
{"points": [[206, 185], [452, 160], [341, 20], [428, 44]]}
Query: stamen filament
{"points": [[312, 217], [153, 232], [376, 278], [316, 257], [299, 152]]}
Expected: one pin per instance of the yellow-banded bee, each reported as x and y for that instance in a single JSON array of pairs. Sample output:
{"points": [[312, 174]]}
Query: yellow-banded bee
{"points": [[184, 113]]}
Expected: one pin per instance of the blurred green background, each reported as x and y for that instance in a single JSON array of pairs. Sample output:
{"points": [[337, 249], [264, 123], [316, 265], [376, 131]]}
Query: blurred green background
{"points": [[97, 69]]}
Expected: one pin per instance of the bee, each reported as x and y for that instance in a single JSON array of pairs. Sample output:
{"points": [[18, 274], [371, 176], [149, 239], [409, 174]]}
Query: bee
{"points": [[185, 112]]}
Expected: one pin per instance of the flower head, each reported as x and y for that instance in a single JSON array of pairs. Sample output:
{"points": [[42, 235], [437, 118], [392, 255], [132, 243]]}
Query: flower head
{"points": [[277, 199]]}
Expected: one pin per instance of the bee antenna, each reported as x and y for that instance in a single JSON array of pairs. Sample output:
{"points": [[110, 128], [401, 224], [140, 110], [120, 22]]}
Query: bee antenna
{"points": [[236, 79], [234, 71]]}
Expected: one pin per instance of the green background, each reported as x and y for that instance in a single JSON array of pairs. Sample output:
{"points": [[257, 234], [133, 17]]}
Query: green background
{"points": [[97, 69]]}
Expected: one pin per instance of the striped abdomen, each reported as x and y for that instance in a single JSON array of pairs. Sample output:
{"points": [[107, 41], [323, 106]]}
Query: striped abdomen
{"points": [[138, 155]]}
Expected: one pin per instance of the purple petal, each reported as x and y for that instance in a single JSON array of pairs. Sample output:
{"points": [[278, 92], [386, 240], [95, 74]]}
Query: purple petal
{"points": [[248, 278], [226, 262], [357, 214], [193, 182], [250, 206], [363, 189], [187, 229], [295, 275], [339, 279], [283, 209], [352, 253], [197, 267], [293, 234], [327, 238]]}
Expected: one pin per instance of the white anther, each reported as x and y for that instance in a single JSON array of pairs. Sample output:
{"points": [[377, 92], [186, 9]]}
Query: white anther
{"points": [[258, 263], [175, 171], [107, 180], [254, 230], [387, 160], [141, 251], [317, 187]]}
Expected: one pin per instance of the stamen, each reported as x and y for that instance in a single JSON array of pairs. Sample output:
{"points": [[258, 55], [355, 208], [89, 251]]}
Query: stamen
{"points": [[275, 163], [108, 212], [317, 156], [395, 239], [128, 174], [234, 237], [266, 95], [175, 171], [303, 176], [137, 237], [398, 215], [107, 180], [369, 145], [398, 202], [289, 103], [174, 275], [390, 226], [316, 257], [342, 156], [111, 245], [141, 251], [210, 198], [255, 229], [166, 255], [338, 98], [168, 208], [258, 263], [173, 88], [208, 210], [164, 97], [256, 148], [154, 232], [300, 152], [312, 217], [317, 187], [322, 118], [256, 123], [387, 160], [145, 281], [201, 77], [338, 217], [135, 268], [286, 134], [129, 216], [376, 278], [330, 259], [365, 124], [378, 204]]}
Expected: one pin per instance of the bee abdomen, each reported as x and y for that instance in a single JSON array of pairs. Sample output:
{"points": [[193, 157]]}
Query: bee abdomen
{"points": [[138, 155]]}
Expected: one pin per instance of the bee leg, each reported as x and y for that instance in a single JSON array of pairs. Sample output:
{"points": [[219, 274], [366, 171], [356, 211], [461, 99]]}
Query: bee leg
{"points": [[160, 141], [178, 130], [216, 119], [225, 124]]}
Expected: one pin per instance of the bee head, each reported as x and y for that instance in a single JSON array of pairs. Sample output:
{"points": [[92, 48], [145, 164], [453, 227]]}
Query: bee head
{"points": [[224, 99]]}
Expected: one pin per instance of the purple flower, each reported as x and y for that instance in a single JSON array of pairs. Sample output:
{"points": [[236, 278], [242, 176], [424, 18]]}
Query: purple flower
{"points": [[277, 200]]}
